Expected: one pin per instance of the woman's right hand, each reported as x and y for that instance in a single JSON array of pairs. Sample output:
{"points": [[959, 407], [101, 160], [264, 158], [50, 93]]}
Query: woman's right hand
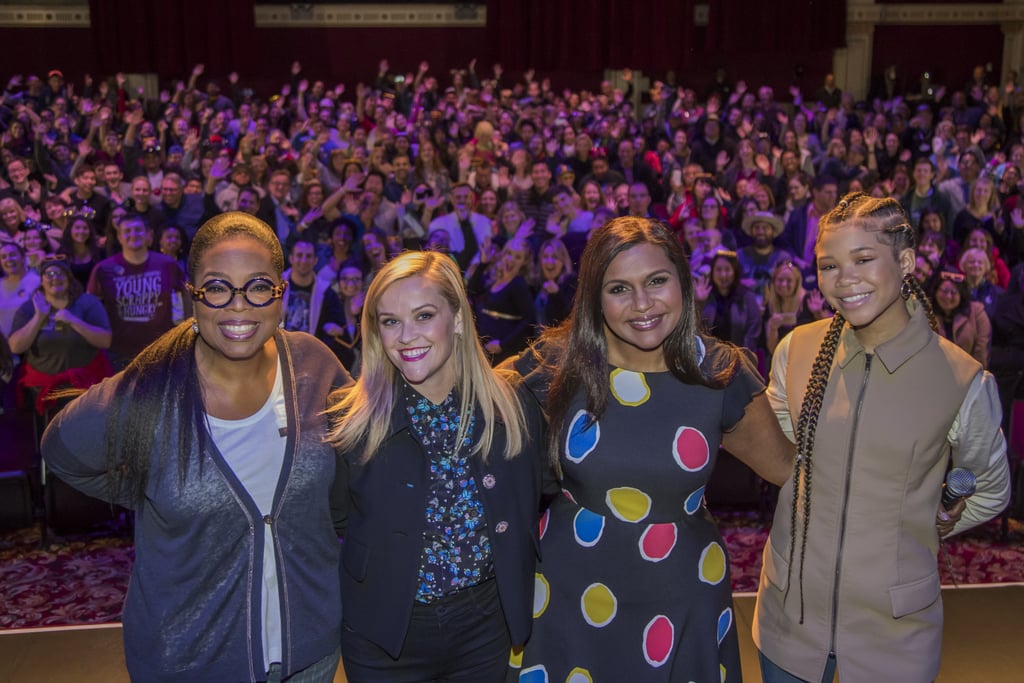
{"points": [[815, 303], [41, 305], [702, 288]]}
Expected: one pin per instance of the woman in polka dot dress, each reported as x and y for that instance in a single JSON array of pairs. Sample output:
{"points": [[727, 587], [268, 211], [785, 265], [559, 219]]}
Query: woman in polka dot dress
{"points": [[634, 584]]}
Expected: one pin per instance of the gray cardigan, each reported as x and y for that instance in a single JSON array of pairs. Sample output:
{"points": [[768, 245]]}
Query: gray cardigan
{"points": [[193, 605]]}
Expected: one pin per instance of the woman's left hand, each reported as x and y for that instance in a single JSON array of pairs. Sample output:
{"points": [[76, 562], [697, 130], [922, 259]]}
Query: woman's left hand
{"points": [[65, 316], [945, 520]]}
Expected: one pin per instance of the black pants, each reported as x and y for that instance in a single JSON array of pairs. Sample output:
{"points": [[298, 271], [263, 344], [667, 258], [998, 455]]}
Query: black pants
{"points": [[459, 638]]}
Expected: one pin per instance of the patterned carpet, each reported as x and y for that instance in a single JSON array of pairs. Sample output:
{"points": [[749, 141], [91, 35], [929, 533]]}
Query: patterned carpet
{"points": [[82, 579]]}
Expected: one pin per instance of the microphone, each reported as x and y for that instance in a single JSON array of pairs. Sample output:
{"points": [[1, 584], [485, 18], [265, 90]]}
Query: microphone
{"points": [[960, 483]]}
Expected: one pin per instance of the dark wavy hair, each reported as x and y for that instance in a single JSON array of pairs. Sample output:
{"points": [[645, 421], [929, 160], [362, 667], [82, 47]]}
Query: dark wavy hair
{"points": [[576, 352], [160, 388], [960, 283]]}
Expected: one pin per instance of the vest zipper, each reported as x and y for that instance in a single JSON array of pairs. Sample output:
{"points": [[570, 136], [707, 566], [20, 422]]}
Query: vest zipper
{"points": [[846, 501]]}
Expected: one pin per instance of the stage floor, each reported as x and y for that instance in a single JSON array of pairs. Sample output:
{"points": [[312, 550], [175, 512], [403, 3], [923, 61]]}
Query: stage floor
{"points": [[981, 644]]}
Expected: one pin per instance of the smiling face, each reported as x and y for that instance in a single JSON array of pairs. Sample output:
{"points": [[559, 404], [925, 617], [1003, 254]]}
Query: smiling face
{"points": [[134, 236], [350, 281], [642, 301], [170, 242], [976, 240], [11, 260], [239, 331], [785, 281], [860, 278], [417, 328], [488, 202], [9, 214], [141, 193], [723, 276], [80, 231], [55, 282], [17, 171], [947, 296], [974, 264], [551, 265]]}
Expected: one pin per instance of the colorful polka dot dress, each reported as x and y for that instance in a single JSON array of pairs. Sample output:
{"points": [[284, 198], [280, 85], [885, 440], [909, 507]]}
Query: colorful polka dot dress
{"points": [[634, 584]]}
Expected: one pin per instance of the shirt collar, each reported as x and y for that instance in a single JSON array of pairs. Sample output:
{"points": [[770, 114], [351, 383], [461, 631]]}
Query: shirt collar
{"points": [[896, 351]]}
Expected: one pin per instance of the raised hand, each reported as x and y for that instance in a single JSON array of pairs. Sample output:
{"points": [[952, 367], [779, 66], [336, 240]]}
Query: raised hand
{"points": [[1017, 218], [702, 288], [221, 168], [815, 302], [40, 303]]}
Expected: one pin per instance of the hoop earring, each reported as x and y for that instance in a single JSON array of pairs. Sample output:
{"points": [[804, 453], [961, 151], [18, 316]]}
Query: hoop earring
{"points": [[906, 289], [195, 326]]}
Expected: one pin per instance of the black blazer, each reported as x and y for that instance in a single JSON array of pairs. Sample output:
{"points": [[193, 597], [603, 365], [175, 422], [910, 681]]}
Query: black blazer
{"points": [[380, 509]]}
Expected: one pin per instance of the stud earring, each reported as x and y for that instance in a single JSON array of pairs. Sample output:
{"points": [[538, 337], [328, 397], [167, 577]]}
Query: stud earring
{"points": [[280, 325], [195, 326]]}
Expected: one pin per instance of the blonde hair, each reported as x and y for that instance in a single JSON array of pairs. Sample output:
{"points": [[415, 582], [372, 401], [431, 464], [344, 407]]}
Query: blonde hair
{"points": [[361, 414], [776, 302], [974, 251]]}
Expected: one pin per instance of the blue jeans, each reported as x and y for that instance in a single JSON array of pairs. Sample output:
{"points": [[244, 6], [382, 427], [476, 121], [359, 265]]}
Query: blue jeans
{"points": [[459, 638], [772, 673], [318, 672]]}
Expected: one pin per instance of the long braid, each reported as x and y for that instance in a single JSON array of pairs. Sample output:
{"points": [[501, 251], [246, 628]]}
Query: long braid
{"points": [[807, 424], [926, 302], [888, 218]]}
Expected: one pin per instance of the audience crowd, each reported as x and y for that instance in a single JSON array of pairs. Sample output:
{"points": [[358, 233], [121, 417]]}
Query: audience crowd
{"points": [[102, 188]]}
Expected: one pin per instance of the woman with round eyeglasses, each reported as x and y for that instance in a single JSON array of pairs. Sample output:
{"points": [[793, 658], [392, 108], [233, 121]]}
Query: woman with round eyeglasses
{"points": [[347, 343], [61, 333], [214, 436], [961, 320]]}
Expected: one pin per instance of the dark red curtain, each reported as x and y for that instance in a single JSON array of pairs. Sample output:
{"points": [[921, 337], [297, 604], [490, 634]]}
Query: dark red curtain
{"points": [[778, 26], [766, 41], [579, 35], [170, 37]]}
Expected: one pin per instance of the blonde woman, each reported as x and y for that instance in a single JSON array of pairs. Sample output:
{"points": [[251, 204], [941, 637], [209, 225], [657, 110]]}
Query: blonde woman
{"points": [[787, 304], [977, 269], [436, 491], [982, 211]]}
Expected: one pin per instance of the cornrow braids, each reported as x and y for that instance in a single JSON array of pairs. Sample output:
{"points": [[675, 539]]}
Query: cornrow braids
{"points": [[884, 216], [917, 291], [807, 424]]}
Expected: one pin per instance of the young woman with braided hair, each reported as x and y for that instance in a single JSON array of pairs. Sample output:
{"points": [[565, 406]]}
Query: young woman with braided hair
{"points": [[877, 403]]}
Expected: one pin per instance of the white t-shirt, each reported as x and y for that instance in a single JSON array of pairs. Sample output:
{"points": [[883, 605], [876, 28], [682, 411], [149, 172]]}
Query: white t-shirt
{"points": [[254, 449]]}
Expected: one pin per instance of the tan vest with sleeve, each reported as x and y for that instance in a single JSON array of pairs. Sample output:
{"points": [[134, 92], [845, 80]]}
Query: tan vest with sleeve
{"points": [[870, 587]]}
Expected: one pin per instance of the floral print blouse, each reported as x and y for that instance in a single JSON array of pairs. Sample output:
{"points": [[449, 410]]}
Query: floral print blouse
{"points": [[456, 548]]}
